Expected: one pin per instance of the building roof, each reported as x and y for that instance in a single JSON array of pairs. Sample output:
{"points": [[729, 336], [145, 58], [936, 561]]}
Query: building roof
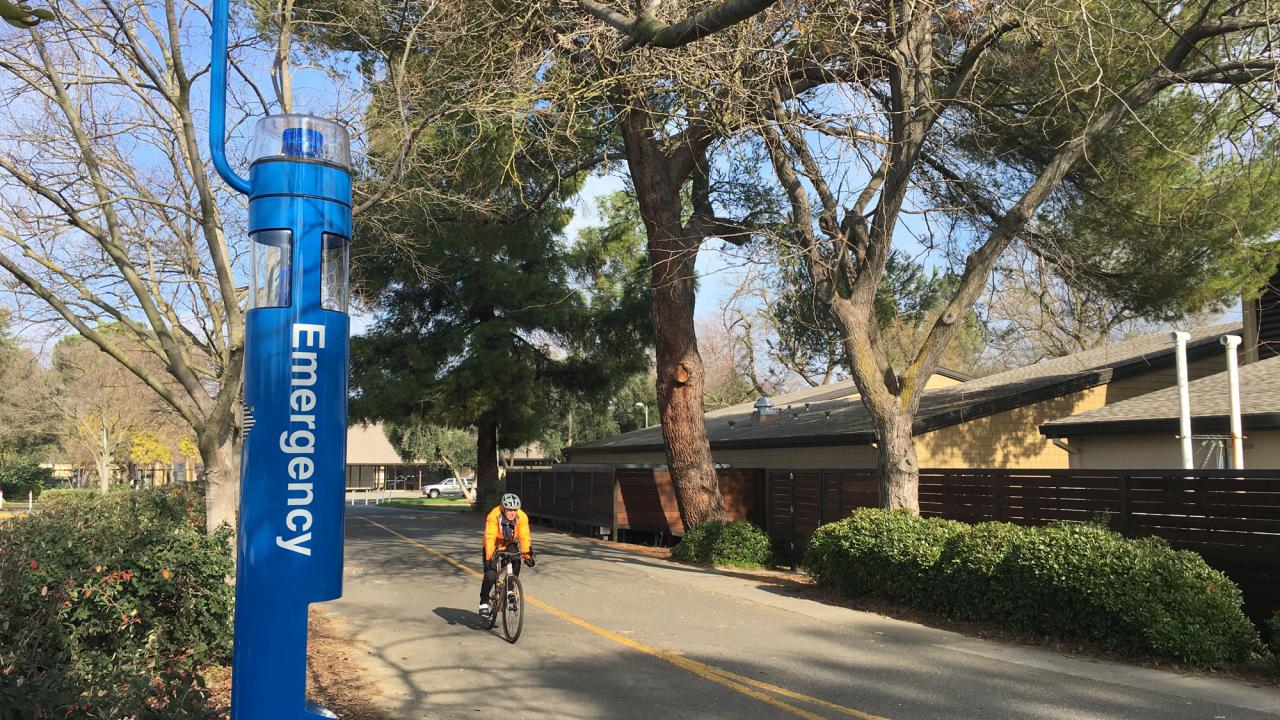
{"points": [[1210, 406], [368, 445], [833, 415]]}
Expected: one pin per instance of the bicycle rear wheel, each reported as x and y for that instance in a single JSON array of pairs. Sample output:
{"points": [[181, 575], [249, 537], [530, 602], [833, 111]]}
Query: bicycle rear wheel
{"points": [[513, 610]]}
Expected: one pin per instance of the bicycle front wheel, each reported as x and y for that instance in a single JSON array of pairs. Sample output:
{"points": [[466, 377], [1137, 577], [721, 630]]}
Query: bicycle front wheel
{"points": [[513, 610]]}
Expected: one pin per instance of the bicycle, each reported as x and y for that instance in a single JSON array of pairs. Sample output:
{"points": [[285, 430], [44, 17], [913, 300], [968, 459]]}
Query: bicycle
{"points": [[507, 597]]}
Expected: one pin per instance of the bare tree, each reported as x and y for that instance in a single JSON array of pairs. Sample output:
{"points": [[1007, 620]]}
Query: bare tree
{"points": [[27, 389], [780, 344], [1035, 313], [103, 407], [924, 121], [110, 216], [728, 352]]}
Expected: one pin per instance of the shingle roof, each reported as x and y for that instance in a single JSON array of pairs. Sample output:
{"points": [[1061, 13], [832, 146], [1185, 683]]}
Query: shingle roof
{"points": [[835, 416], [1210, 405]]}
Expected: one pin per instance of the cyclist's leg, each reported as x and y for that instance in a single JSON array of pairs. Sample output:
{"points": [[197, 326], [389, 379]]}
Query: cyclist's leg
{"points": [[490, 577]]}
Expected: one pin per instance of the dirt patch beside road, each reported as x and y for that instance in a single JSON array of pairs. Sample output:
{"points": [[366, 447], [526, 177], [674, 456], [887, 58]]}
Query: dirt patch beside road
{"points": [[334, 678]]}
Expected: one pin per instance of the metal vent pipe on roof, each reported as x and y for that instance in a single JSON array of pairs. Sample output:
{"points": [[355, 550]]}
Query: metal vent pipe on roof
{"points": [[1184, 399], [1231, 342]]}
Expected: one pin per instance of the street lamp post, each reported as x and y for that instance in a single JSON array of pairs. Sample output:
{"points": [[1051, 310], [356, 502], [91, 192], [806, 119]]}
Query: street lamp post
{"points": [[645, 408]]}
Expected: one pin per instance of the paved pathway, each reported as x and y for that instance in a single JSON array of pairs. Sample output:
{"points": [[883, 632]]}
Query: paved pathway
{"points": [[613, 634]]}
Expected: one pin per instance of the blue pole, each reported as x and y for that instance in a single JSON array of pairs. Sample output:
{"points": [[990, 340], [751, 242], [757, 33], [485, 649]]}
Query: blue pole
{"points": [[293, 467], [218, 99]]}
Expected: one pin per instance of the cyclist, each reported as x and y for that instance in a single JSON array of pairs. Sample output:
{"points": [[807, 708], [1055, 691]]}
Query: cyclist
{"points": [[506, 525]]}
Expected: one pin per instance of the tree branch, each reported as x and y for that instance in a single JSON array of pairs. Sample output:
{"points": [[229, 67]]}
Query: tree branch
{"points": [[97, 338], [647, 30]]}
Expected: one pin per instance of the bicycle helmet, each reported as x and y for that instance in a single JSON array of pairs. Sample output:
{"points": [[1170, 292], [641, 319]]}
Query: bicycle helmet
{"points": [[511, 501]]}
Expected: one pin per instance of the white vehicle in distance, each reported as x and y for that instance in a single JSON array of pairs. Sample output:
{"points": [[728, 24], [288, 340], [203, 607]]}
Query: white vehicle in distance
{"points": [[448, 487]]}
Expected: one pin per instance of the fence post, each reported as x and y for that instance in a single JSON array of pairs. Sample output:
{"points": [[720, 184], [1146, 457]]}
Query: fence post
{"points": [[1123, 505], [791, 541], [613, 501], [997, 498], [822, 491]]}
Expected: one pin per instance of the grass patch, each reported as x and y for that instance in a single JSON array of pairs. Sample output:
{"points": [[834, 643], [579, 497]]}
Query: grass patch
{"points": [[446, 504]]}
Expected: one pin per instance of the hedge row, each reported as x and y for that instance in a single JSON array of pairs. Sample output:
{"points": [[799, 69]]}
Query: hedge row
{"points": [[1065, 580], [736, 544], [55, 495], [110, 606], [22, 476]]}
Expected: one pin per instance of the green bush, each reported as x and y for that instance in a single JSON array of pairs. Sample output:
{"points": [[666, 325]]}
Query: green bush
{"points": [[1065, 580], [54, 495], [973, 573], [110, 605], [737, 544], [887, 554], [1273, 626], [21, 476]]}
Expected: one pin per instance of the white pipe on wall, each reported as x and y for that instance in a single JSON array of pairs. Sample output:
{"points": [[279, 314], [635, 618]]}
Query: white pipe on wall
{"points": [[1231, 342], [1184, 399]]}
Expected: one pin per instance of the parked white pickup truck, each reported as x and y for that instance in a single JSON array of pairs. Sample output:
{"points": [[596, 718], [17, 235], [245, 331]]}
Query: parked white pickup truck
{"points": [[447, 487]]}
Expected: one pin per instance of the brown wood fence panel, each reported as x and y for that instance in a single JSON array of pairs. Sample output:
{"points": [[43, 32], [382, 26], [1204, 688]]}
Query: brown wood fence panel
{"points": [[807, 492], [641, 500], [648, 501], [602, 499], [781, 513], [562, 495], [743, 492], [580, 497]]}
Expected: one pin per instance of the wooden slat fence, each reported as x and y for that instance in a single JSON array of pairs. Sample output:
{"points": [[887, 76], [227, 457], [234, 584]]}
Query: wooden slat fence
{"points": [[578, 498], [587, 498], [1230, 517]]}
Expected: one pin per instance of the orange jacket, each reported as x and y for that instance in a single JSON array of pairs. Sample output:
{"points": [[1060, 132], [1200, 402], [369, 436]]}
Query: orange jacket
{"points": [[493, 539]]}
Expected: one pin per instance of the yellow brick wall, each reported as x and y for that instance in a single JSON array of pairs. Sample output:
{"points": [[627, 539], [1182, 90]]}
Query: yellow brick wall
{"points": [[1159, 379], [1010, 439], [939, 381]]}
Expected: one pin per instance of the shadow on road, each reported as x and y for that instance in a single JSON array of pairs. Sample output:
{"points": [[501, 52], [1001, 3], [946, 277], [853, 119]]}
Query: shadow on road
{"points": [[465, 618]]}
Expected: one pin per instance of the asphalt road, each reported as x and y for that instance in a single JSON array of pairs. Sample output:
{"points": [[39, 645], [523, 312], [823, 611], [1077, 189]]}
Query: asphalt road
{"points": [[612, 634]]}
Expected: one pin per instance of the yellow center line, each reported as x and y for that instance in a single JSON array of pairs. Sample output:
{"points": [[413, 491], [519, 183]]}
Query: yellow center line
{"points": [[718, 675]]}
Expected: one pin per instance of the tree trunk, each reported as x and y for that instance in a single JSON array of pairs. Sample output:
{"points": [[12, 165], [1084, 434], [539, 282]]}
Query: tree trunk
{"points": [[891, 408], [104, 458], [680, 388], [488, 489], [221, 458], [672, 254], [899, 469], [468, 495]]}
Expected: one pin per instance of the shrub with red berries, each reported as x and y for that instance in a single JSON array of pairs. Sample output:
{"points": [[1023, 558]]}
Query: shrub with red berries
{"points": [[111, 606]]}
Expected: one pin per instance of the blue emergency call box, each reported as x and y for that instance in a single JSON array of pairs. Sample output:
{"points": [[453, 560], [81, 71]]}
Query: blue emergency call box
{"points": [[295, 409], [293, 466]]}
